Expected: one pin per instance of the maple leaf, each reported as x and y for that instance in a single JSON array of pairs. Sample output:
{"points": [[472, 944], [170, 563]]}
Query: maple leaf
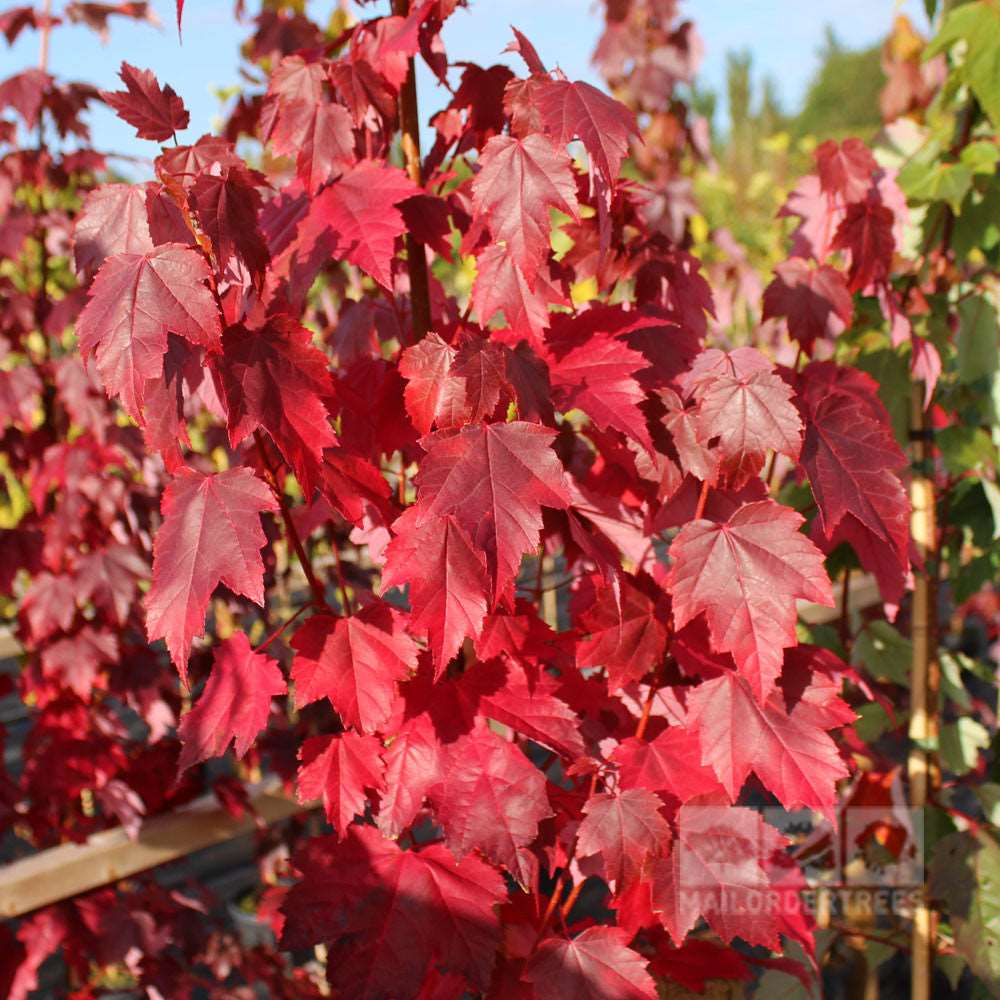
{"points": [[627, 637], [790, 752], [109, 577], [491, 799], [153, 112], [356, 219], [425, 367], [744, 403], [816, 301], [851, 461], [134, 302], [718, 869], [235, 704], [519, 180], [493, 479], [398, 912], [669, 764], [579, 111], [845, 168], [449, 584], [866, 231], [113, 220], [625, 829], [595, 965], [597, 377], [354, 486], [501, 286], [746, 574], [75, 660], [412, 768], [338, 769], [356, 662], [226, 205], [211, 534], [274, 378]]}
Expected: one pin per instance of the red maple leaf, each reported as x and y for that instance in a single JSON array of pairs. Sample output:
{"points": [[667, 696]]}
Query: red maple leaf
{"points": [[670, 764], [356, 662], [719, 869], [866, 232], [519, 180], [338, 769], [626, 829], [745, 575], [491, 799], [134, 302], [113, 221], [153, 112], [211, 534], [816, 301], [845, 168], [790, 752], [412, 768], [274, 378], [235, 704], [595, 965]]}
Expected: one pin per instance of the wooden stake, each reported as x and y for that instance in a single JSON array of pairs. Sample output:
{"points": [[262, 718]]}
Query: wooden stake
{"points": [[924, 675]]}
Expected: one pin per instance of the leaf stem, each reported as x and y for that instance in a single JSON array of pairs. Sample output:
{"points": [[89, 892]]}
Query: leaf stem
{"points": [[278, 632], [702, 499], [319, 592]]}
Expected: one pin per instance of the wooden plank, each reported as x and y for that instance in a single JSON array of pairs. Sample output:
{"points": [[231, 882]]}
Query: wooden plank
{"points": [[70, 869]]}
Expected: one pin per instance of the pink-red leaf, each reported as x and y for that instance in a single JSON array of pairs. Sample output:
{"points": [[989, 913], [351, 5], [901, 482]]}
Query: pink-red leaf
{"points": [[153, 112], [338, 769], [211, 534], [135, 301], [235, 704], [356, 662], [745, 575], [626, 829], [816, 301]]}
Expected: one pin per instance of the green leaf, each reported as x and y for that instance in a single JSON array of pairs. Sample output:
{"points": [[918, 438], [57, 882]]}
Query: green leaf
{"points": [[980, 157], [872, 722], [978, 351], [883, 652], [965, 449], [961, 742], [947, 182], [977, 24], [951, 680], [989, 798], [965, 875]]}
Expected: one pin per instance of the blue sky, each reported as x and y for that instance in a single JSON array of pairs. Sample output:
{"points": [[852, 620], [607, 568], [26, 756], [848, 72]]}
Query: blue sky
{"points": [[783, 35]]}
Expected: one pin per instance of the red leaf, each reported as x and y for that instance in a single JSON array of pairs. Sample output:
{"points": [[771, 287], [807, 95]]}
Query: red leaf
{"points": [[398, 911], [153, 112], [211, 534], [866, 232], [412, 769], [851, 461], [425, 367], [449, 584], [790, 752], [226, 205], [492, 799], [845, 168], [746, 575], [274, 378], [625, 829], [338, 769], [597, 377], [519, 180], [719, 870], [670, 764], [135, 300], [627, 638], [113, 220], [356, 662], [595, 965], [580, 111], [235, 704], [748, 407], [493, 479], [501, 285], [356, 219], [816, 301]]}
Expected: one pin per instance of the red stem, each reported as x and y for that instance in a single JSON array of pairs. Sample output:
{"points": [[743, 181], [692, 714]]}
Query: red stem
{"points": [[702, 499], [278, 632], [319, 592]]}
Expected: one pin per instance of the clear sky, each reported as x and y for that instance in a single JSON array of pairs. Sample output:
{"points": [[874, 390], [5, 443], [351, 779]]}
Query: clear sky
{"points": [[783, 35]]}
